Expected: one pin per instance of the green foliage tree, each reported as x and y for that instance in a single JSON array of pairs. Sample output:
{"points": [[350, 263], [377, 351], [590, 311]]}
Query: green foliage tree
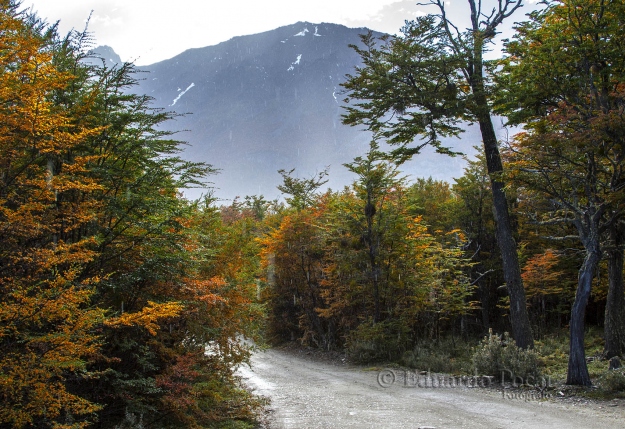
{"points": [[435, 202], [423, 84], [475, 218], [376, 180], [563, 78], [302, 191]]}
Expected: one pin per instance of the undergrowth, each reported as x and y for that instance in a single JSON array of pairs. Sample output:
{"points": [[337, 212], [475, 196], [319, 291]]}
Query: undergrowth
{"points": [[446, 355], [499, 357], [495, 353]]}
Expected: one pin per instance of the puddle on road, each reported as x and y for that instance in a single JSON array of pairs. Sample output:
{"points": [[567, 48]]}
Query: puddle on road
{"points": [[253, 380]]}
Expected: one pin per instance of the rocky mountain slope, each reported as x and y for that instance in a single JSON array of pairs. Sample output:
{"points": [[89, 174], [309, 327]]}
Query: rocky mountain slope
{"points": [[258, 103]]}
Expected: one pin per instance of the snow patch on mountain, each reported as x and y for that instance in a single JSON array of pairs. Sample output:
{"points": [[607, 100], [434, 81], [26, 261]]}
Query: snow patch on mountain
{"points": [[317, 32], [302, 33], [182, 93], [299, 57]]}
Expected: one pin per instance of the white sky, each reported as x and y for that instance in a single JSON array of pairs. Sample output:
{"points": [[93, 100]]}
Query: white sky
{"points": [[148, 31]]}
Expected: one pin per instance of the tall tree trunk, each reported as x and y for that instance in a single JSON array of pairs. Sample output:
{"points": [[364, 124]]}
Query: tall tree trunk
{"points": [[614, 329], [578, 370], [521, 328], [484, 294]]}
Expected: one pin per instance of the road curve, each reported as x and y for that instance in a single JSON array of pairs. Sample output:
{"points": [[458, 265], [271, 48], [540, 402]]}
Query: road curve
{"points": [[307, 393]]}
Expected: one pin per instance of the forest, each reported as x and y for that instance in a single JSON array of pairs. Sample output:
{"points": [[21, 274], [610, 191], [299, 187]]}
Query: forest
{"points": [[124, 305]]}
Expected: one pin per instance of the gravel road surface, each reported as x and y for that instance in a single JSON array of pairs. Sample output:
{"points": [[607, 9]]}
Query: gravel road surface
{"points": [[311, 393]]}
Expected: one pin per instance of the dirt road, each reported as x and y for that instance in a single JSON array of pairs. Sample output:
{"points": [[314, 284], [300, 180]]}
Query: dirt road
{"points": [[308, 393]]}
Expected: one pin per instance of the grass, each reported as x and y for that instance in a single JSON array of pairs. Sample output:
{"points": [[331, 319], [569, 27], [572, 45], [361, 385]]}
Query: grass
{"points": [[554, 355]]}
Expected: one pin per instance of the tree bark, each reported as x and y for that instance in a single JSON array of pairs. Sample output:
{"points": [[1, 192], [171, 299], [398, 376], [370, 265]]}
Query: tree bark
{"points": [[614, 327], [521, 328], [577, 373]]}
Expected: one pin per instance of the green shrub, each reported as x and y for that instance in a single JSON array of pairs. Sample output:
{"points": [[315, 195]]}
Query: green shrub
{"points": [[445, 355], [376, 342], [427, 359], [613, 380], [499, 357]]}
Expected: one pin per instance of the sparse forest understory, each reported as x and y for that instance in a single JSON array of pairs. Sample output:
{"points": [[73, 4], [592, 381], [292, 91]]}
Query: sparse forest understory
{"points": [[123, 305]]}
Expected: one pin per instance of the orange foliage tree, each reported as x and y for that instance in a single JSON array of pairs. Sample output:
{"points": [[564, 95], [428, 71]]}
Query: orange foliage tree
{"points": [[46, 322], [118, 302], [293, 255], [356, 269], [546, 286]]}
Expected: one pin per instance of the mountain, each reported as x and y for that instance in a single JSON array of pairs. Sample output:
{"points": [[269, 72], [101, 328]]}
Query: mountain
{"points": [[259, 103], [103, 55]]}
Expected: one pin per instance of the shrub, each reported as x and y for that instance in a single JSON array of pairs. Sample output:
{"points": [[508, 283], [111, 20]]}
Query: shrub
{"points": [[499, 357], [445, 355], [375, 342], [426, 359], [613, 380]]}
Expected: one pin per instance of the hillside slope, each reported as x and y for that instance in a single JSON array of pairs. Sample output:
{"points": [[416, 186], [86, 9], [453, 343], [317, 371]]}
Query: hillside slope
{"points": [[258, 103]]}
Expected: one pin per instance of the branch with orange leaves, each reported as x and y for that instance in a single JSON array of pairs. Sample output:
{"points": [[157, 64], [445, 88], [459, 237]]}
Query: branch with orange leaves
{"points": [[149, 317]]}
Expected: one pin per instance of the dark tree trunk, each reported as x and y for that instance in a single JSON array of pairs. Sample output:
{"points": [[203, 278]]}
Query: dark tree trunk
{"points": [[485, 301], [614, 329], [373, 243], [578, 370], [521, 328]]}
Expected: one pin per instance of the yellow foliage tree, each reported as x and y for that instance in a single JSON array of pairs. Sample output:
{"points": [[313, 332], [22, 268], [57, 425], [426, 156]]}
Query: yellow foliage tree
{"points": [[45, 319]]}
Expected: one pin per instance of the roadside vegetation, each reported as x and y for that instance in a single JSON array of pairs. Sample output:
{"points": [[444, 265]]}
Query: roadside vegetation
{"points": [[121, 303], [528, 240], [124, 305]]}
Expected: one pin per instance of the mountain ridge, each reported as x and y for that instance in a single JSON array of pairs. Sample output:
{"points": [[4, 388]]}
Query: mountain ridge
{"points": [[258, 103]]}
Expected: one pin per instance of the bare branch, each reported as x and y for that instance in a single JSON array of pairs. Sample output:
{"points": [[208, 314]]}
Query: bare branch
{"points": [[480, 277], [565, 238]]}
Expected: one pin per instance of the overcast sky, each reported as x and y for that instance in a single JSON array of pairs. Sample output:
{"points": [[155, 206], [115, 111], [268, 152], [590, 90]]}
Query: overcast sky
{"points": [[148, 31]]}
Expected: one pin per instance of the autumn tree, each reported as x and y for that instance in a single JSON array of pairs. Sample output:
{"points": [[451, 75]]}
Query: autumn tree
{"points": [[376, 274], [361, 269], [563, 78], [545, 283], [294, 254], [220, 291], [387, 280], [423, 84], [435, 202], [475, 218], [46, 198], [177, 279], [376, 180], [137, 229], [113, 286]]}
